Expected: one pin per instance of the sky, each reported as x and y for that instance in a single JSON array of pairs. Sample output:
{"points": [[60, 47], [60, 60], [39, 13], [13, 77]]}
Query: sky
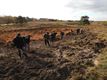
{"points": [[56, 9]]}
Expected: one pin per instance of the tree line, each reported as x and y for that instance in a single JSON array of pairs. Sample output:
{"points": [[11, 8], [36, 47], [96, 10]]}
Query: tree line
{"points": [[16, 20], [21, 20]]}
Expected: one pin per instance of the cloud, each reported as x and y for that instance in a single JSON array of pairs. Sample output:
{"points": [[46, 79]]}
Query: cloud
{"points": [[91, 5], [95, 9]]}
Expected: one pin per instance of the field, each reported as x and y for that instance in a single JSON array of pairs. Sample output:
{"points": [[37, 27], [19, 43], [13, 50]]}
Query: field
{"points": [[81, 58]]}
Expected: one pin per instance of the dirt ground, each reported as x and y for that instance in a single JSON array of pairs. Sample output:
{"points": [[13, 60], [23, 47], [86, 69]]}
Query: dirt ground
{"points": [[36, 34], [69, 59]]}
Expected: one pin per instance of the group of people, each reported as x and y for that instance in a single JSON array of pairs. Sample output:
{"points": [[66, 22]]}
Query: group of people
{"points": [[22, 43], [75, 32], [52, 37]]}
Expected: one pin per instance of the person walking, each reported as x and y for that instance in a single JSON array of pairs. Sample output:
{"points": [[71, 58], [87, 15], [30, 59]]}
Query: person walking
{"points": [[46, 39], [62, 35], [19, 44], [78, 31], [27, 40]]}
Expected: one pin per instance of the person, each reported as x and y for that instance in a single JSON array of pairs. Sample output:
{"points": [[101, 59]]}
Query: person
{"points": [[27, 42], [62, 35], [78, 31], [46, 39], [53, 36], [19, 44]]}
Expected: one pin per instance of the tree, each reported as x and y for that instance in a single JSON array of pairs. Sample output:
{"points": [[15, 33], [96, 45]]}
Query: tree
{"points": [[85, 20], [28, 19], [21, 20]]}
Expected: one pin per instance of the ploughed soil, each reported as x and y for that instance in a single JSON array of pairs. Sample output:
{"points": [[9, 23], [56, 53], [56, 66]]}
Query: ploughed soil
{"points": [[67, 59], [36, 31]]}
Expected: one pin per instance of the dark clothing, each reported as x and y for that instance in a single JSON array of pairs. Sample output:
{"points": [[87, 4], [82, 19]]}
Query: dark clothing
{"points": [[46, 36], [46, 39], [27, 43], [62, 35], [53, 36], [78, 31], [27, 40], [18, 42], [22, 51], [47, 42]]}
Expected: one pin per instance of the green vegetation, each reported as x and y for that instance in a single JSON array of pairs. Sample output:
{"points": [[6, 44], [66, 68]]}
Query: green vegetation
{"points": [[84, 20], [99, 72], [102, 67]]}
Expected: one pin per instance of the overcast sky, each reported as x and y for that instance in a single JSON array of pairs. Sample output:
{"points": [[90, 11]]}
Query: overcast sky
{"points": [[57, 9]]}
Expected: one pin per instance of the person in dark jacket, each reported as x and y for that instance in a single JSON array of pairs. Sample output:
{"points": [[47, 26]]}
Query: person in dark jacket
{"points": [[62, 35], [27, 42], [19, 44], [53, 36], [78, 31], [46, 39]]}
